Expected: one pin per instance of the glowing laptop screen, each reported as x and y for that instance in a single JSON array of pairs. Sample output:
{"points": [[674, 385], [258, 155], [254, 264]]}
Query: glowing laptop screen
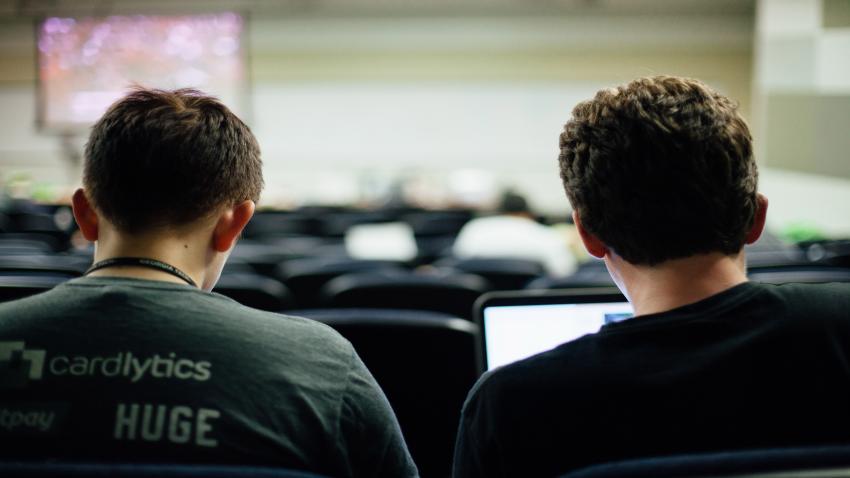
{"points": [[514, 332]]}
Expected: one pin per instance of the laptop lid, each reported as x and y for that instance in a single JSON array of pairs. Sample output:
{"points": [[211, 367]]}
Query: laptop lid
{"points": [[519, 324]]}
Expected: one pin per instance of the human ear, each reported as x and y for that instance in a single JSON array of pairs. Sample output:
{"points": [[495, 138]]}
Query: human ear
{"points": [[758, 221], [230, 224], [85, 215], [594, 246]]}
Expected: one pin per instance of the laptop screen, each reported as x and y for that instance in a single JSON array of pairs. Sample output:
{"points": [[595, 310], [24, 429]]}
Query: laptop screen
{"points": [[518, 325]]}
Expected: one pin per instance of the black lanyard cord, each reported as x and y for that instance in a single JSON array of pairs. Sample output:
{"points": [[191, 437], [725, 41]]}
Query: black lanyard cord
{"points": [[142, 262]]}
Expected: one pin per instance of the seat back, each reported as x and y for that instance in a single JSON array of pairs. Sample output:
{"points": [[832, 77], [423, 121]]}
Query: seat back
{"points": [[835, 252], [817, 461], [281, 223], [589, 275], [451, 294], [255, 291], [25, 244], [306, 277], [424, 362], [262, 257], [54, 222], [337, 224], [438, 223], [810, 273], [502, 274], [18, 286], [31, 264]]}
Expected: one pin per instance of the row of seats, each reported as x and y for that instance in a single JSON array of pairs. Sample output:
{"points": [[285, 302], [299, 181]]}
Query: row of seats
{"points": [[821, 461], [449, 285], [335, 222], [433, 231], [313, 231]]}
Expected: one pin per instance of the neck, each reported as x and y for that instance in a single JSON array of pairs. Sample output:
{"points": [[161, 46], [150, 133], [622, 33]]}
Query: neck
{"points": [[186, 252], [677, 282]]}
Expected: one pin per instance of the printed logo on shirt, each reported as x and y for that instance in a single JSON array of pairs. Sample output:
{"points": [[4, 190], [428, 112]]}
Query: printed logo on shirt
{"points": [[127, 365], [166, 423], [31, 418], [19, 365]]}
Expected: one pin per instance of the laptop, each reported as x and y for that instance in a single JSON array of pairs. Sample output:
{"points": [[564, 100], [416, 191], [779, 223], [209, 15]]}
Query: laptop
{"points": [[519, 324]]}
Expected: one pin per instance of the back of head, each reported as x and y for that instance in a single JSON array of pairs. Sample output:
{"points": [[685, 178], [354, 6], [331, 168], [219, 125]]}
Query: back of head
{"points": [[167, 158], [513, 203], [661, 168]]}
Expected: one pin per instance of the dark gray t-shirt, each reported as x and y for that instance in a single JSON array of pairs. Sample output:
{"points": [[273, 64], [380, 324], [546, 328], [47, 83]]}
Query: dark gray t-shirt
{"points": [[138, 370]]}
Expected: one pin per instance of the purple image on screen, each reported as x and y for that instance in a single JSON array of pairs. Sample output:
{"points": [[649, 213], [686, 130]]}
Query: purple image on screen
{"points": [[85, 64]]}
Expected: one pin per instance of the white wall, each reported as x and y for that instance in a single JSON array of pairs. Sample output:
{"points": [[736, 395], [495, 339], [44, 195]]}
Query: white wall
{"points": [[811, 200], [330, 139], [342, 106], [801, 98], [802, 87]]}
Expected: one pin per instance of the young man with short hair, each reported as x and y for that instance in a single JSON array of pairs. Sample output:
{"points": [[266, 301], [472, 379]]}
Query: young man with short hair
{"points": [[662, 180], [139, 362]]}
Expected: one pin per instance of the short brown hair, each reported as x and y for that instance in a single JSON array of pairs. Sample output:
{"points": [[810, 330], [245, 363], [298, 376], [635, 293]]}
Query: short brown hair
{"points": [[165, 158], [661, 168]]}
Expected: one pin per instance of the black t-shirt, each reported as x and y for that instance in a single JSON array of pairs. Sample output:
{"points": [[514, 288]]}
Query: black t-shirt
{"points": [[752, 367], [147, 371]]}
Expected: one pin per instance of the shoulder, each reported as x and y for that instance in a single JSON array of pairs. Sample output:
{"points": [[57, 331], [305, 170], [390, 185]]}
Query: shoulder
{"points": [[49, 301], [280, 331], [308, 331], [836, 289], [568, 365], [811, 298]]}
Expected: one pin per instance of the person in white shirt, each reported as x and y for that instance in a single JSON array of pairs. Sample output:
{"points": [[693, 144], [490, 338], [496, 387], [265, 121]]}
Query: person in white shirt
{"points": [[514, 234]]}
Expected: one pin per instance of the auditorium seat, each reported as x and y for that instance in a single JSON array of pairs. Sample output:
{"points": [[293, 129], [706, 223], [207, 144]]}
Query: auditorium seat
{"points": [[54, 222], [306, 277], [770, 251], [437, 223], [255, 291], [815, 461], [833, 252], [502, 274], [18, 286], [144, 470], [304, 246], [589, 274], [336, 224], [48, 242], [450, 293], [13, 244], [435, 231], [810, 273], [264, 258], [425, 362], [282, 223], [34, 264]]}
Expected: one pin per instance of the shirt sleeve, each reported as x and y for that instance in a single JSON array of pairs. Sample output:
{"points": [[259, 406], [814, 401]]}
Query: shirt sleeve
{"points": [[370, 431]]}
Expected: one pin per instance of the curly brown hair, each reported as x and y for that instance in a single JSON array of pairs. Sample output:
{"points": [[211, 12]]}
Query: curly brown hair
{"points": [[661, 168], [167, 158]]}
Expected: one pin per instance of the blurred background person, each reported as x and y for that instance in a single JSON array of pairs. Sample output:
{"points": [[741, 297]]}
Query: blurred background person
{"points": [[514, 233]]}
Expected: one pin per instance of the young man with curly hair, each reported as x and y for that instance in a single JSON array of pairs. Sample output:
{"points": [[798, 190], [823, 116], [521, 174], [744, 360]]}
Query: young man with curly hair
{"points": [[139, 362], [661, 176]]}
